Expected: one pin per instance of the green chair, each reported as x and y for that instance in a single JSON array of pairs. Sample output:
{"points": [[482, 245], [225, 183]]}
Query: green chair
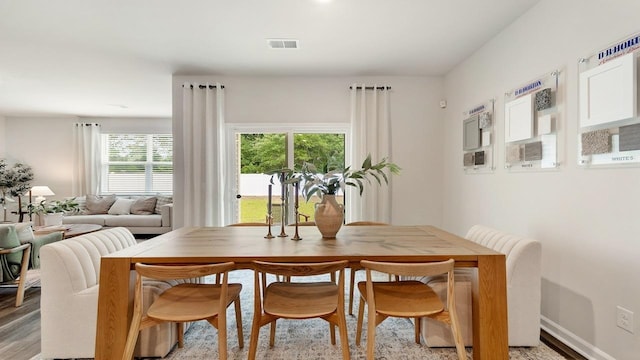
{"points": [[26, 236], [14, 260]]}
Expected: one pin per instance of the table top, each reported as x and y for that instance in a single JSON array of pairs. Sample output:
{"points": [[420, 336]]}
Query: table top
{"points": [[354, 243]]}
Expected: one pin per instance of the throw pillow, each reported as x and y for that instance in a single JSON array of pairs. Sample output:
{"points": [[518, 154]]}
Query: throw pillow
{"points": [[9, 239], [121, 207], [25, 232], [144, 205], [162, 200], [98, 204]]}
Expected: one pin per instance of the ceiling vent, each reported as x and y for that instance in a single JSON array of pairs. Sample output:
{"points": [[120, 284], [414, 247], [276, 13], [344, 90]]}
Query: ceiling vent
{"points": [[282, 43]]}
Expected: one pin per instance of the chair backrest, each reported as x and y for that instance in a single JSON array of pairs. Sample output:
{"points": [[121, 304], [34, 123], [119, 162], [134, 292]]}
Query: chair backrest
{"points": [[249, 224], [299, 269], [366, 223], [410, 269], [523, 255], [172, 272], [75, 262]]}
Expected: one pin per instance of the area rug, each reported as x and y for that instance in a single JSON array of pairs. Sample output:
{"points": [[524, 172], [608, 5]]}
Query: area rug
{"points": [[309, 339]]}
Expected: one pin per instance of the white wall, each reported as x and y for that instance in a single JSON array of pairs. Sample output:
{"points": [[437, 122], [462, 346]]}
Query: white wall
{"points": [[587, 220], [45, 143], [415, 116]]}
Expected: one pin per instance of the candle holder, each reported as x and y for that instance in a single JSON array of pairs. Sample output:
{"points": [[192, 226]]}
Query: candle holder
{"points": [[296, 236], [283, 206], [269, 222]]}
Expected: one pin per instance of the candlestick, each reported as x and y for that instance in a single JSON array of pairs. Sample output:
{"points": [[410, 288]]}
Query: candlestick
{"points": [[283, 205]]}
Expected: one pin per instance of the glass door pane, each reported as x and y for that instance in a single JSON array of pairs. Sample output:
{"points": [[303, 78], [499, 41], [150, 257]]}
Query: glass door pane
{"points": [[258, 153], [325, 151]]}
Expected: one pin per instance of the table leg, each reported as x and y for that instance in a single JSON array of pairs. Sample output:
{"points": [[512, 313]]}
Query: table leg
{"points": [[490, 326], [113, 308]]}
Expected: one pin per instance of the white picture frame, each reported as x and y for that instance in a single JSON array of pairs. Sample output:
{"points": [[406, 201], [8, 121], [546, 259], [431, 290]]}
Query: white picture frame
{"points": [[608, 92], [519, 119]]}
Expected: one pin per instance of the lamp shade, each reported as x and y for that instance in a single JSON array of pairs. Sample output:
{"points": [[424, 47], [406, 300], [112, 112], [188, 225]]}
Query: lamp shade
{"points": [[41, 191]]}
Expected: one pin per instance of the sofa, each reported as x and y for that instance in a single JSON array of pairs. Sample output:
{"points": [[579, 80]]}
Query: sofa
{"points": [[153, 217], [69, 297], [523, 265]]}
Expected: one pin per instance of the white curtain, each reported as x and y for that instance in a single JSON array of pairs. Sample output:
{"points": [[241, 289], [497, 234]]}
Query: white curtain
{"points": [[86, 159], [370, 134], [203, 139]]}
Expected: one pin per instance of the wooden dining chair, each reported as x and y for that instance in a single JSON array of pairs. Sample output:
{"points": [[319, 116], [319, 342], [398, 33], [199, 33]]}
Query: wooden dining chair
{"points": [[186, 302], [249, 224], [407, 299], [354, 268], [298, 300]]}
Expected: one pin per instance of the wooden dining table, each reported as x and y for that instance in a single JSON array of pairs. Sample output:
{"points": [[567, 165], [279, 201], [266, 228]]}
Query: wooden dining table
{"points": [[242, 245]]}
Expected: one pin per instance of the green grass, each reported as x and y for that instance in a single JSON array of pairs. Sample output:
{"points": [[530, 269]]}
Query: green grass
{"points": [[254, 208]]}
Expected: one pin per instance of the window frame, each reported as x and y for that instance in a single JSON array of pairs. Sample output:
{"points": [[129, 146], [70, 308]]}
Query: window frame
{"points": [[148, 164], [231, 208]]}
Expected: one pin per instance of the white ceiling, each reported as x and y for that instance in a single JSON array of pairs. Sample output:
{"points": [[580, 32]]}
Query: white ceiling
{"points": [[116, 57]]}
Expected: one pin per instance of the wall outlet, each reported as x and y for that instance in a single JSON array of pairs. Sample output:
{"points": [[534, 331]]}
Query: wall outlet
{"points": [[624, 318]]}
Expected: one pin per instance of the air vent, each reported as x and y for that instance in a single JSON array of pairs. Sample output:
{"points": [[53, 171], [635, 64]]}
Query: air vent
{"points": [[282, 43]]}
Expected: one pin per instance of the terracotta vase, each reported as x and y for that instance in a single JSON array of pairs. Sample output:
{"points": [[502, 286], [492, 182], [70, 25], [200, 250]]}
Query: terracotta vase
{"points": [[329, 216]]}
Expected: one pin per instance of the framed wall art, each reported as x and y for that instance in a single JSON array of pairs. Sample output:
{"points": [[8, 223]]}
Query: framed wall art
{"points": [[609, 125], [477, 138], [532, 124]]}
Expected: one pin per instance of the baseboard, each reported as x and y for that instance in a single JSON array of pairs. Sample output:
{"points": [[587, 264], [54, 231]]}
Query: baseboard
{"points": [[573, 341]]}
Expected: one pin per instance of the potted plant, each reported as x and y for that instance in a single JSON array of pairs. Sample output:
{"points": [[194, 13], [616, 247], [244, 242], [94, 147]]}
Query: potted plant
{"points": [[14, 182], [329, 215], [52, 212]]}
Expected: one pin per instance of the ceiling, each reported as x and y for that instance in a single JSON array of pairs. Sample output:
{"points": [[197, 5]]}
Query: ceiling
{"points": [[116, 57]]}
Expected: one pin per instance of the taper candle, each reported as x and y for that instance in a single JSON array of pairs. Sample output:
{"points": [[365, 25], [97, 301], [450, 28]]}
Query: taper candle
{"points": [[269, 200], [296, 201]]}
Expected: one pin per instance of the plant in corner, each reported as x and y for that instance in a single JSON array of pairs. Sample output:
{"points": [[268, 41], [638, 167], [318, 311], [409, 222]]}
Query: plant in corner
{"points": [[329, 214]]}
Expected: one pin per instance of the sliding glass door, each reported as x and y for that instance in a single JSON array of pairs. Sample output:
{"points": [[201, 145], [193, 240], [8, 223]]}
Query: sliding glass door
{"points": [[259, 151]]}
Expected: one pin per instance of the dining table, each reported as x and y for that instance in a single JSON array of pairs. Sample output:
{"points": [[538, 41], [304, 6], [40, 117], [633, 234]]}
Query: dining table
{"points": [[244, 244]]}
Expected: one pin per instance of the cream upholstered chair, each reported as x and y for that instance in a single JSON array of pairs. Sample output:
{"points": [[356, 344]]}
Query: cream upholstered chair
{"points": [[406, 299], [186, 302], [523, 265], [303, 300], [354, 268]]}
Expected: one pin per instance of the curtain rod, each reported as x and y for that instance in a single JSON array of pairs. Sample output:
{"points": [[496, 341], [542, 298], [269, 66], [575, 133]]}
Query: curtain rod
{"points": [[205, 86], [372, 88]]}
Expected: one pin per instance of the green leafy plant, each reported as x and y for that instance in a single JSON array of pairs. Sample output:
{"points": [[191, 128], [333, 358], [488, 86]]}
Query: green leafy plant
{"points": [[56, 206], [330, 182]]}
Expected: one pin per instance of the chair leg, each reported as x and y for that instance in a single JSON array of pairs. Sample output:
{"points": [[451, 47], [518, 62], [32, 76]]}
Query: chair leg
{"points": [[239, 323], [253, 340], [344, 339], [359, 326], [26, 253], [132, 337], [372, 321], [352, 283], [180, 334], [272, 334]]}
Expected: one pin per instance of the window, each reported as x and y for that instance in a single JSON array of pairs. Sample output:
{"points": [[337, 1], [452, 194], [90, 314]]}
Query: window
{"points": [[137, 164]]}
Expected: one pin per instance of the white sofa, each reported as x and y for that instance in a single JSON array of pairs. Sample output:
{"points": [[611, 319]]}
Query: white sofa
{"points": [[157, 223], [523, 262], [69, 297]]}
